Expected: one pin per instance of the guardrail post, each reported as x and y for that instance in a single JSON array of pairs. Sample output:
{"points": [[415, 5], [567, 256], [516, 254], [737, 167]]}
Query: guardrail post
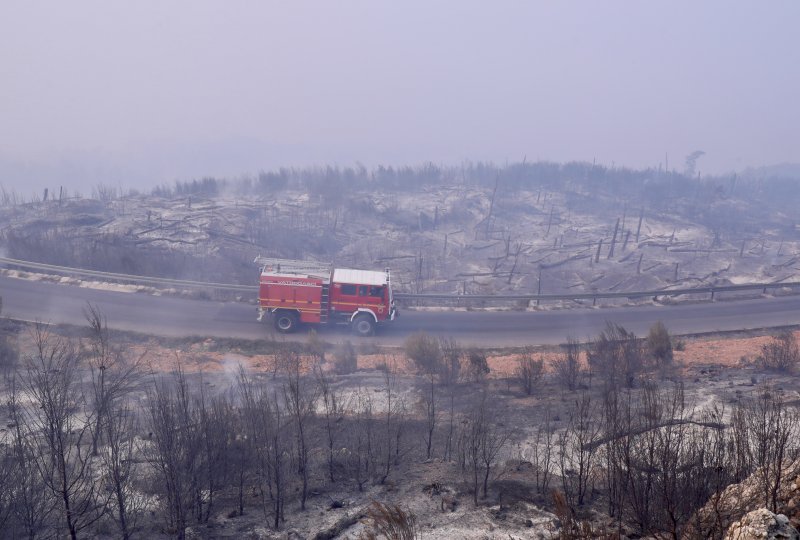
{"points": [[712, 294], [538, 286]]}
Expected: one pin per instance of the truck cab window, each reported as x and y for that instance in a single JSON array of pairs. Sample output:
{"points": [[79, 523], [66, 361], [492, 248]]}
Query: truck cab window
{"points": [[376, 292], [362, 290], [349, 289]]}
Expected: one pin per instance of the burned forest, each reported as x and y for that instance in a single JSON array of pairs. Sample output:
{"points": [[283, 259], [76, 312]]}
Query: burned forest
{"points": [[524, 228], [111, 434]]}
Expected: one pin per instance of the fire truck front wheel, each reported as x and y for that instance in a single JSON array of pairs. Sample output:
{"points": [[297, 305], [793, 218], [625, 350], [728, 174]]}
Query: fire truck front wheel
{"points": [[285, 321], [363, 325]]}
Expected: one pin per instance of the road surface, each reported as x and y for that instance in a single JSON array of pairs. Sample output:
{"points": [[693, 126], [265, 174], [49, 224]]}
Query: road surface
{"points": [[177, 317]]}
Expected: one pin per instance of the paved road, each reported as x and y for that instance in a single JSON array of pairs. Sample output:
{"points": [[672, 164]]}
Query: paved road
{"points": [[175, 317]]}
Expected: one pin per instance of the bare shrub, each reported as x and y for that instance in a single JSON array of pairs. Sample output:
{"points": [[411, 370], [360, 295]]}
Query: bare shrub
{"points": [[449, 377], [781, 354], [571, 527], [659, 344], [9, 471], [617, 356], [772, 426], [360, 459], [345, 359], [450, 369], [33, 506], [175, 450], [315, 347], [424, 351], [113, 376], [390, 435], [9, 357], [264, 419], [482, 439], [529, 372], [566, 516], [333, 410], [567, 366], [477, 366], [120, 466], [6, 471], [60, 418], [429, 403], [190, 436], [578, 451], [389, 521], [285, 360], [105, 192], [300, 395]]}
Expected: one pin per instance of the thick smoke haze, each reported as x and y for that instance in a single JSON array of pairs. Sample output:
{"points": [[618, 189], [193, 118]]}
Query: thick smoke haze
{"points": [[143, 93]]}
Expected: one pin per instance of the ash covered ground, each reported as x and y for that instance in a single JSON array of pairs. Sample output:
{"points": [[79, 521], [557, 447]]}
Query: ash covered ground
{"points": [[478, 229]]}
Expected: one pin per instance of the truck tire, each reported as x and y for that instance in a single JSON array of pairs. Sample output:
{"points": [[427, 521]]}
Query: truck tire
{"points": [[285, 321], [363, 325]]}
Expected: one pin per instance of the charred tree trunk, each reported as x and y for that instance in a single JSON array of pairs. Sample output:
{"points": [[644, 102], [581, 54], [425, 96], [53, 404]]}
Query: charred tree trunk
{"points": [[639, 227], [613, 240]]}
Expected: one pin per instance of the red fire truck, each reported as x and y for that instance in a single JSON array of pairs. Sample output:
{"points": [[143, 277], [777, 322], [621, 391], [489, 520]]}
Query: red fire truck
{"points": [[297, 292]]}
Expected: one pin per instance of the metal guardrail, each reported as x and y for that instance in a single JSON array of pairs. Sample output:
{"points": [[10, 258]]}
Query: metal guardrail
{"points": [[125, 277], [594, 296], [713, 290]]}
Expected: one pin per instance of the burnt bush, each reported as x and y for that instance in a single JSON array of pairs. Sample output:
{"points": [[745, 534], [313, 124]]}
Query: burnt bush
{"points": [[9, 356], [781, 354], [425, 352], [345, 359], [617, 356], [659, 344], [477, 366], [567, 366], [529, 372]]}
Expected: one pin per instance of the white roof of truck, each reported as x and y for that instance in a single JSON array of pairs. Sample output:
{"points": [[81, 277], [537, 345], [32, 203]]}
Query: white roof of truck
{"points": [[359, 277]]}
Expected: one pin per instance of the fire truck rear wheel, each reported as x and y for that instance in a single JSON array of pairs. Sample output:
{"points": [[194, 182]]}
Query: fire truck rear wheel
{"points": [[285, 321], [363, 325]]}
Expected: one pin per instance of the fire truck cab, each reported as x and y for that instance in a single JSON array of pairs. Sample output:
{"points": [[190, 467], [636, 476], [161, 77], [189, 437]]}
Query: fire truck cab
{"points": [[297, 292]]}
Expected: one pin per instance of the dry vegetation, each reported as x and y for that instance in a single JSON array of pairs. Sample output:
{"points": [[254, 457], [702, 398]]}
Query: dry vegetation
{"points": [[104, 436]]}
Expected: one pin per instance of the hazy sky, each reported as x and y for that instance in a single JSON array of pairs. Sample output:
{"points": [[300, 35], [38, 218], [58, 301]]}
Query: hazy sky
{"points": [[144, 92]]}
